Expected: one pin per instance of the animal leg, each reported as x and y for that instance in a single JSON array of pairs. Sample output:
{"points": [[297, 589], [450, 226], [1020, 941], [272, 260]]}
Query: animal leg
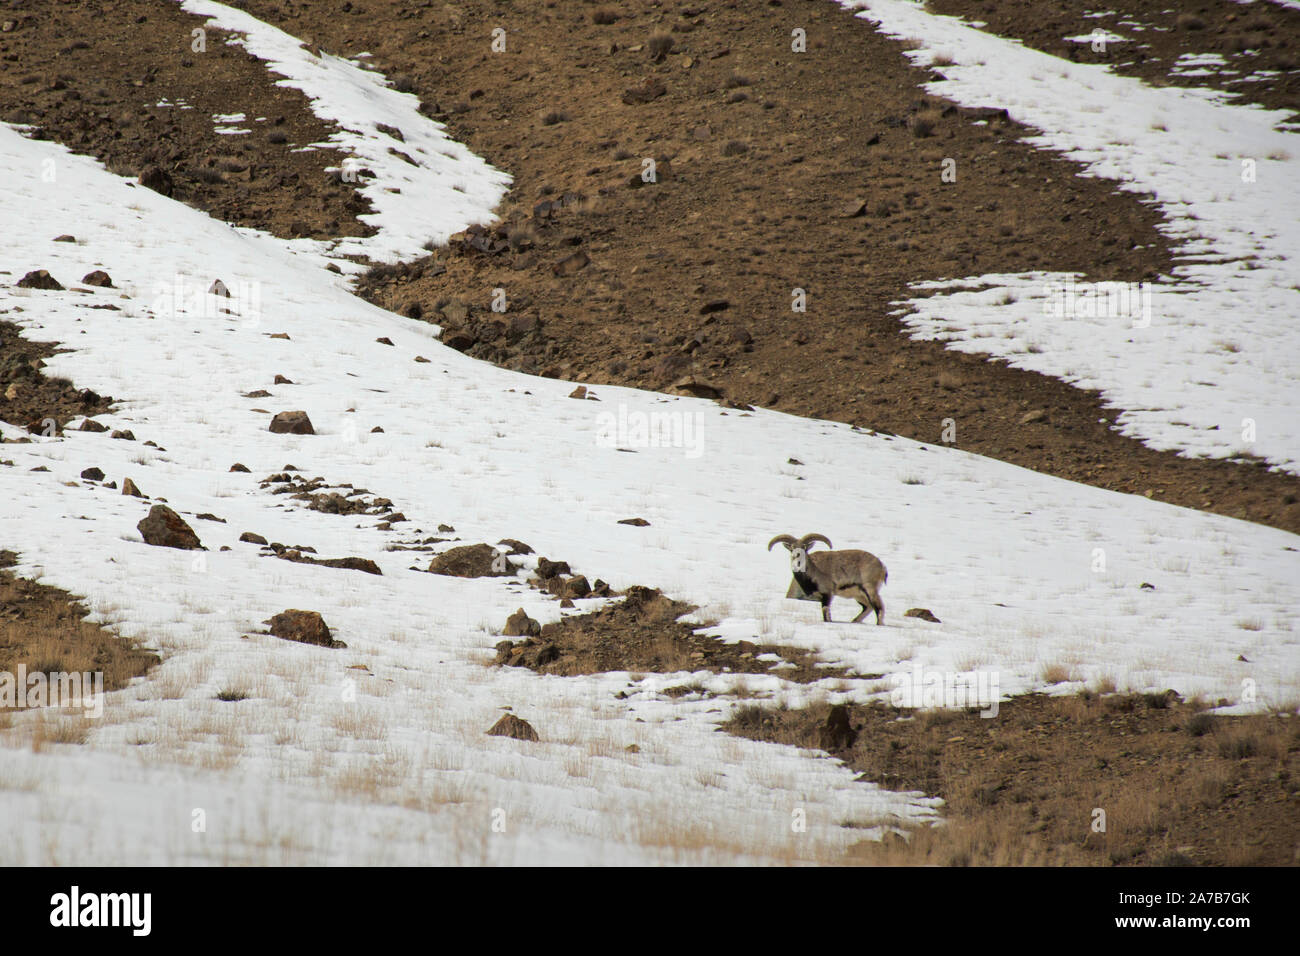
{"points": [[862, 613], [877, 604], [826, 608]]}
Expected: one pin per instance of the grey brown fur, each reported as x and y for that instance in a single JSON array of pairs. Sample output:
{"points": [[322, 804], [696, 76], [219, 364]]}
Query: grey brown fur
{"points": [[827, 574]]}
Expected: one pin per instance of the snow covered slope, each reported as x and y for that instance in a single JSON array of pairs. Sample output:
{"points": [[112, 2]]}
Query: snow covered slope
{"points": [[1209, 363], [425, 186], [377, 753]]}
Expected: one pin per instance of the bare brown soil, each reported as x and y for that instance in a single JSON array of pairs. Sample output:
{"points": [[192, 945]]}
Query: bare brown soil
{"points": [[30, 398], [91, 74], [775, 171], [642, 633], [44, 629], [1261, 37], [1177, 785]]}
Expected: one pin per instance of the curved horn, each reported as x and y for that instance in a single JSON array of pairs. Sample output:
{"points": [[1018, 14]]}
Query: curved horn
{"points": [[810, 538], [785, 539]]}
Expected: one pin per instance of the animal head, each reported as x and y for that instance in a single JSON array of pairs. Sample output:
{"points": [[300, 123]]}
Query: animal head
{"points": [[798, 547]]}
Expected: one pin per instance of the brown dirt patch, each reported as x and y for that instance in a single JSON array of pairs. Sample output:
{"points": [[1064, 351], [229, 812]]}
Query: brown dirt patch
{"points": [[44, 629], [36, 396], [776, 171], [91, 74], [642, 633], [1258, 37], [1178, 786]]}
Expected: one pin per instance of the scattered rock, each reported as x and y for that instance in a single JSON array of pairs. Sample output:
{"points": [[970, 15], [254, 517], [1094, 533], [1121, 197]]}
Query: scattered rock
{"points": [[292, 423], [570, 264], [635, 522], [1037, 415], [579, 392], [252, 537], [854, 209], [123, 434], [472, 561], [305, 627], [39, 279], [65, 238], [648, 90], [98, 278], [576, 587], [238, 467], [164, 528], [93, 474], [349, 564], [384, 340], [923, 613], [90, 425], [547, 569], [696, 388], [511, 726], [129, 488], [281, 380], [520, 624]]}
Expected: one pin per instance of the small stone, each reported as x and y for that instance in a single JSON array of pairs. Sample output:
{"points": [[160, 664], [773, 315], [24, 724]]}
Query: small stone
{"points": [[129, 488], [93, 474], [98, 278], [923, 613]]}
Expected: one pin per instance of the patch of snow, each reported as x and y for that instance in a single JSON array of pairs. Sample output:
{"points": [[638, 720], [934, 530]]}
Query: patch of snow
{"points": [[1219, 361]]}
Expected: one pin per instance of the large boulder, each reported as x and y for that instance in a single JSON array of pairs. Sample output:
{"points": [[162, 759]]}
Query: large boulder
{"points": [[292, 423], [305, 627], [472, 561], [39, 279], [164, 528]]}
